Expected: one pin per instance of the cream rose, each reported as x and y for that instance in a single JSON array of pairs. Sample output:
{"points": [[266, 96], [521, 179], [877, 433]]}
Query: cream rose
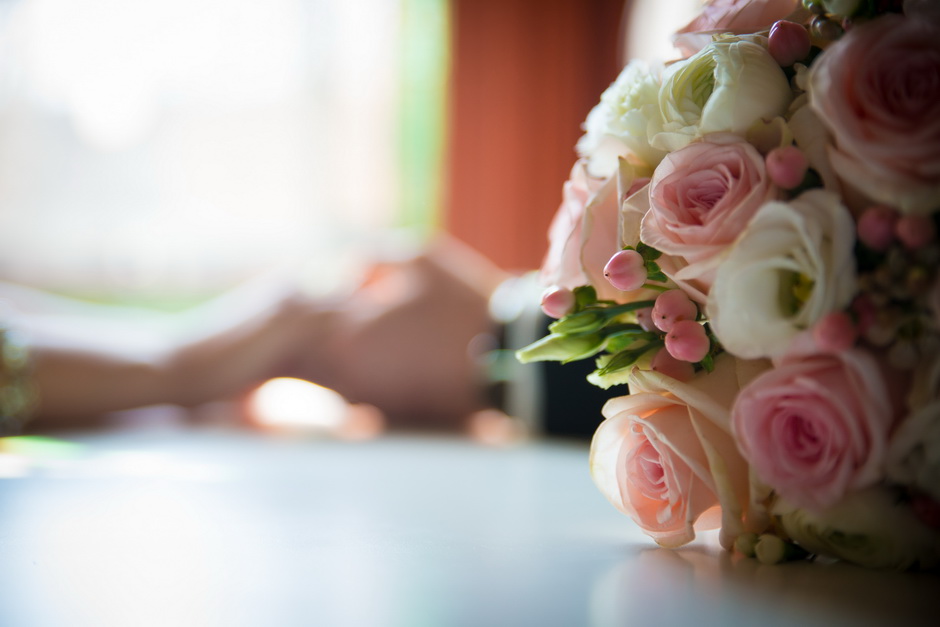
{"points": [[618, 125], [727, 87], [701, 198], [914, 454], [870, 528], [665, 456], [791, 266], [876, 91]]}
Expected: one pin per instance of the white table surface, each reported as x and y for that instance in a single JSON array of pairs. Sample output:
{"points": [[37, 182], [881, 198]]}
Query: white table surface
{"points": [[209, 528]]}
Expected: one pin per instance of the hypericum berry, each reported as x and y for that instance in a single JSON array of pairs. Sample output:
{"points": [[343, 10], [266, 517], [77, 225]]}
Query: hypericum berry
{"points": [[672, 306], [644, 318], [821, 27], [557, 302], [915, 232], [814, 6], [876, 227], [626, 270], [668, 365], [786, 166], [687, 341], [835, 332], [788, 42]]}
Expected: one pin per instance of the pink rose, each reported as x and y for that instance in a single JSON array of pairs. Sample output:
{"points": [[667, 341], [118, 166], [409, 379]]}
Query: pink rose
{"points": [[584, 235], [701, 198], [731, 16], [665, 455], [816, 426], [874, 92]]}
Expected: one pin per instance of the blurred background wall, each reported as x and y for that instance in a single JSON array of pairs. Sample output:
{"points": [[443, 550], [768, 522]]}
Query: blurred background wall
{"points": [[524, 76]]}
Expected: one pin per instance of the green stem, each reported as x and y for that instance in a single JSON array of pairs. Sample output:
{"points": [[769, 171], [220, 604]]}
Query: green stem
{"points": [[628, 307]]}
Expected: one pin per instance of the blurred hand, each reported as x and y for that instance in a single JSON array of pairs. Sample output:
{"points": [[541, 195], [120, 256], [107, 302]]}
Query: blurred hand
{"points": [[402, 341]]}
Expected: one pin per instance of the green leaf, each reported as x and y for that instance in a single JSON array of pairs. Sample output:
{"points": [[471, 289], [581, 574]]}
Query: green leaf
{"points": [[625, 359], [584, 296], [563, 348], [647, 252], [625, 336], [586, 321], [596, 317]]}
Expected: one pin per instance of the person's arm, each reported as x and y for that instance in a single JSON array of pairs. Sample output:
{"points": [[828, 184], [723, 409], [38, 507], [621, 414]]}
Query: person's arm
{"points": [[85, 366]]}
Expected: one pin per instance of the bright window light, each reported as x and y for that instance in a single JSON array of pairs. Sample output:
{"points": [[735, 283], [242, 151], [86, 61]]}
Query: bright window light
{"points": [[175, 147]]}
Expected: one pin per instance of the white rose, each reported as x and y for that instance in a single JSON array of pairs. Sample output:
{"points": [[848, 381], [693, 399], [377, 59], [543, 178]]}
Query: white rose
{"points": [[727, 87], [792, 265], [870, 528], [618, 125], [914, 451]]}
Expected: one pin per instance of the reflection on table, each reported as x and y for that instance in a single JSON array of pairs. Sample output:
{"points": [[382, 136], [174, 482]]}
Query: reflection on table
{"points": [[218, 527]]}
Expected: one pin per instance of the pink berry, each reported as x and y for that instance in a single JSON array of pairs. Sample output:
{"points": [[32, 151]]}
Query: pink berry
{"points": [[915, 232], [788, 42], [671, 367], [557, 302], [835, 332], [786, 166], [876, 227], [644, 318], [687, 341], [626, 270], [672, 306]]}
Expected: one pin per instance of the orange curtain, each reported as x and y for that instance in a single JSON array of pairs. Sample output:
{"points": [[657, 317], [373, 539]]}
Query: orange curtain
{"points": [[524, 74]]}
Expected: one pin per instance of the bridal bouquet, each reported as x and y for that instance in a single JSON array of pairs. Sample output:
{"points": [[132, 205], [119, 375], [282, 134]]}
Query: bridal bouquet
{"points": [[747, 246]]}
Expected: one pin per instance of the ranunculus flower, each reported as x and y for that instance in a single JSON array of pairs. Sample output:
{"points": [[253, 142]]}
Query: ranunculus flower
{"points": [[665, 455], [618, 125], [791, 266], [727, 87], [816, 426], [701, 198], [869, 528], [876, 90], [731, 16]]}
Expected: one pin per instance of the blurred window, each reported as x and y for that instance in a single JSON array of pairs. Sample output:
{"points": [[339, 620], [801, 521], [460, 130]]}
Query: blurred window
{"points": [[171, 148]]}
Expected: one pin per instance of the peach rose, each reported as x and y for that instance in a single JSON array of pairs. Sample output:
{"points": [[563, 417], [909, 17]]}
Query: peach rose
{"points": [[562, 264], [816, 426], [701, 198], [731, 16], [871, 90], [584, 234], [665, 455]]}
